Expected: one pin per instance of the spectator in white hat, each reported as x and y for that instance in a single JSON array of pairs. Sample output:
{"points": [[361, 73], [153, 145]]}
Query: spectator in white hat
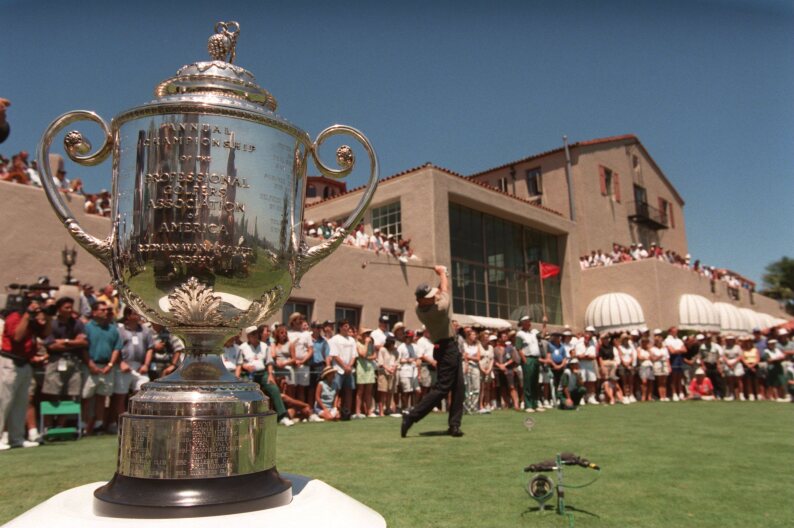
{"points": [[661, 365], [701, 387]]}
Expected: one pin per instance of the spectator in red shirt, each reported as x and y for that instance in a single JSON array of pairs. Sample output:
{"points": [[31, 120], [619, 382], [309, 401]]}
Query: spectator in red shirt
{"points": [[701, 388], [18, 350]]}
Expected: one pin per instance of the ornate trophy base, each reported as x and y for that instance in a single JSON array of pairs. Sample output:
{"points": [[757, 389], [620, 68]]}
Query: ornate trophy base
{"points": [[199, 442], [178, 498]]}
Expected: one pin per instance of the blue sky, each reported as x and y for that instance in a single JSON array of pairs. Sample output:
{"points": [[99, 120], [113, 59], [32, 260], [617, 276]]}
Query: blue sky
{"points": [[706, 86]]}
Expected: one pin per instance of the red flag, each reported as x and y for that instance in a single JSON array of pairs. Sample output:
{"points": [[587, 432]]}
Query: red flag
{"points": [[548, 270]]}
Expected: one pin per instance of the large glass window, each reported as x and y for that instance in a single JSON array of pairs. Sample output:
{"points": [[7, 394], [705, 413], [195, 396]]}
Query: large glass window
{"points": [[495, 267], [388, 219]]}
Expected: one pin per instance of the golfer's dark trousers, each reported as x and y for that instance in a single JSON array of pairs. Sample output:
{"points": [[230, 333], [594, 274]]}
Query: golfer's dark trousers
{"points": [[449, 379]]}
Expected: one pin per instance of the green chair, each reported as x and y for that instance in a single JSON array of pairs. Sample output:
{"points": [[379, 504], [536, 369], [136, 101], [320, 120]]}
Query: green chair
{"points": [[60, 408]]}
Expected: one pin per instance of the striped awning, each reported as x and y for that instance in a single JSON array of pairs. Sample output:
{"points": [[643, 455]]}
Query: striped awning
{"points": [[752, 319], [697, 313], [731, 319], [615, 312]]}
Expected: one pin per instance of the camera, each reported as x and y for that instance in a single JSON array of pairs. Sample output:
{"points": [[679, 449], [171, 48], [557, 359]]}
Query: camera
{"points": [[26, 294]]}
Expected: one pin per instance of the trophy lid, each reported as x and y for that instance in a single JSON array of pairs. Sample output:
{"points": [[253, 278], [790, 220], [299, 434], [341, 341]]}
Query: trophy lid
{"points": [[218, 77]]}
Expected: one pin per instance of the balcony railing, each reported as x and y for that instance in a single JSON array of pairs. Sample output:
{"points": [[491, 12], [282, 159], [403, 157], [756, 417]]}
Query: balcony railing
{"points": [[649, 215]]}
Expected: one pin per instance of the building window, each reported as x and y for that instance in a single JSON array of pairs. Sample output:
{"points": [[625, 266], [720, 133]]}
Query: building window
{"points": [[666, 209], [394, 316], [610, 183], [495, 267], [311, 191], [501, 184], [388, 219], [534, 184], [350, 313], [296, 305]]}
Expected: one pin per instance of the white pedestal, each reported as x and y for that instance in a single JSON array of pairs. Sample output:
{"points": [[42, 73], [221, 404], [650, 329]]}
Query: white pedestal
{"points": [[314, 503]]}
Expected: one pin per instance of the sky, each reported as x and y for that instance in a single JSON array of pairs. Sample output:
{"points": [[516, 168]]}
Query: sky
{"points": [[707, 86]]}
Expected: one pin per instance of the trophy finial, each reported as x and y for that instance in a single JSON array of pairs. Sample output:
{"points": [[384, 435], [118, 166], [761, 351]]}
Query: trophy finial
{"points": [[224, 41]]}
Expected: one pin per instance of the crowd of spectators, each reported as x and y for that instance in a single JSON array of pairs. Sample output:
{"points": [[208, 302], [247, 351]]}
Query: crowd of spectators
{"points": [[377, 241], [89, 348], [20, 169], [620, 254]]}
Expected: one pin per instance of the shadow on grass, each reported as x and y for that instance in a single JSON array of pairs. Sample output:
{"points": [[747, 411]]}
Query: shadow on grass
{"points": [[551, 509], [434, 433]]}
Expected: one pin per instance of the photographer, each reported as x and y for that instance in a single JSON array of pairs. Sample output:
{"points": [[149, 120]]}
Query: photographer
{"points": [[166, 352], [18, 351]]}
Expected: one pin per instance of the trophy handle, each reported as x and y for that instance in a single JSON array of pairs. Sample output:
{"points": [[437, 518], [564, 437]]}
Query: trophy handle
{"points": [[346, 160], [77, 148]]}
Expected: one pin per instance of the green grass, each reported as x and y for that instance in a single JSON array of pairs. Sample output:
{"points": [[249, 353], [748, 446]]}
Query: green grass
{"points": [[664, 464]]}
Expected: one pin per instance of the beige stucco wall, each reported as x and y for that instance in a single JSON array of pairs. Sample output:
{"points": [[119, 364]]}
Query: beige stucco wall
{"points": [[658, 287], [32, 238], [600, 220]]}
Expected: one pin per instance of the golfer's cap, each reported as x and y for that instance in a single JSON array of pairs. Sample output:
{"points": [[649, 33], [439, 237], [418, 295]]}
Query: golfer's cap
{"points": [[384, 319], [590, 329], [634, 333], [524, 318], [493, 338], [294, 316], [567, 333], [312, 231], [390, 339], [508, 343], [772, 341], [327, 370], [424, 291], [365, 331], [657, 331], [730, 337], [391, 236], [328, 323], [700, 337], [556, 333], [376, 230], [310, 222], [316, 324], [251, 329], [756, 330], [573, 362], [397, 326], [624, 335], [409, 333], [782, 332], [700, 372]]}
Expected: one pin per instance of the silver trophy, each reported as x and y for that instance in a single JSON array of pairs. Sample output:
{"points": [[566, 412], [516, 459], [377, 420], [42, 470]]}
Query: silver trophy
{"points": [[208, 196]]}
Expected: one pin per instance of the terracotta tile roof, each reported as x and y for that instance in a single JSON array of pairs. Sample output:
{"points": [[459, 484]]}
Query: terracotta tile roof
{"points": [[430, 165], [587, 143], [328, 181]]}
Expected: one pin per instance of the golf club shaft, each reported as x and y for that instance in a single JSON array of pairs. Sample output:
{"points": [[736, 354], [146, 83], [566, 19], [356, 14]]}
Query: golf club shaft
{"points": [[420, 266]]}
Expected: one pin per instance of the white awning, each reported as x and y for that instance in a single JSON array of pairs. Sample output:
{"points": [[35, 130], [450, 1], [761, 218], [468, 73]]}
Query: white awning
{"points": [[486, 322], [614, 312], [697, 313], [731, 319], [752, 319]]}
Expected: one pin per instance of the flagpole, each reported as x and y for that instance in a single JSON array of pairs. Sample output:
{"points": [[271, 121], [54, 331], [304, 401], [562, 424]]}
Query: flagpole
{"points": [[542, 294]]}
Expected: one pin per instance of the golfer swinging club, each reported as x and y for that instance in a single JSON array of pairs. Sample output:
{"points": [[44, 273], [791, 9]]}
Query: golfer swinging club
{"points": [[432, 308]]}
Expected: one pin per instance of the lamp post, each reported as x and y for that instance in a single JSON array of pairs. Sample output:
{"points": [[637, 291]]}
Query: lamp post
{"points": [[69, 258]]}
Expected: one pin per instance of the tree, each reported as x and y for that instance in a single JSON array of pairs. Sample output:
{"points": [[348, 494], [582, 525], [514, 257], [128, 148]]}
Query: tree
{"points": [[779, 282]]}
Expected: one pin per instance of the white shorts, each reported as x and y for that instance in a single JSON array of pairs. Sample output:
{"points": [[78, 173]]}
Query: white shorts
{"points": [[301, 376], [660, 368], [98, 385], [124, 382], [407, 384], [737, 371], [587, 371]]}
